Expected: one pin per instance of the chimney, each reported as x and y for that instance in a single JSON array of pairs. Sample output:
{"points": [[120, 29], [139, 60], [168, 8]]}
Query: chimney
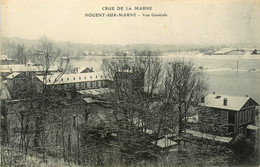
{"points": [[202, 100], [246, 95], [214, 92], [225, 101], [91, 68]]}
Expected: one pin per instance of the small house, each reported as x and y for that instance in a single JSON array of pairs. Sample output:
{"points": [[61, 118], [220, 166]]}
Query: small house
{"points": [[227, 115]]}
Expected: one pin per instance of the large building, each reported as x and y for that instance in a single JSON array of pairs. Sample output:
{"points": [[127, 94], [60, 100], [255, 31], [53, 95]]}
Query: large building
{"points": [[69, 82], [227, 115]]}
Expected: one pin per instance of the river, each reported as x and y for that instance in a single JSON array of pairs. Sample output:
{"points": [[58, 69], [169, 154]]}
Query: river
{"points": [[227, 74]]}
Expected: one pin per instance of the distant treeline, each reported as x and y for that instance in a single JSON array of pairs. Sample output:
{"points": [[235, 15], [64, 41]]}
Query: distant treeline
{"points": [[19, 49]]}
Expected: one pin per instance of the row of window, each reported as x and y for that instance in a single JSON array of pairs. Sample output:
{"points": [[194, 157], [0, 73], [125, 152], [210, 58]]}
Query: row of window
{"points": [[81, 85], [246, 116], [74, 78]]}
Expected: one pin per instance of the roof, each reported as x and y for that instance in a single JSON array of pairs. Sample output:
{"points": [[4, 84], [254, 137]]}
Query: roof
{"points": [[234, 103], [95, 91], [209, 136], [224, 50], [165, 142], [4, 93], [23, 68], [88, 100], [72, 78], [252, 127], [85, 70], [193, 119], [13, 75]]}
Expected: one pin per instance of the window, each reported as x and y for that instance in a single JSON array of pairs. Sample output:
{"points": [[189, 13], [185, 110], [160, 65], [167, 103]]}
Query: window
{"points": [[253, 114], [96, 83], [61, 79], [101, 76], [241, 119], [74, 121], [91, 84], [68, 79], [90, 77], [96, 76], [231, 117], [86, 85], [74, 78], [246, 118], [250, 115], [102, 83], [85, 78], [79, 78]]}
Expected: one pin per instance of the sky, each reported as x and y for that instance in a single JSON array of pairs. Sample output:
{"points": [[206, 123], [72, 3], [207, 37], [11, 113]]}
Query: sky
{"points": [[203, 22]]}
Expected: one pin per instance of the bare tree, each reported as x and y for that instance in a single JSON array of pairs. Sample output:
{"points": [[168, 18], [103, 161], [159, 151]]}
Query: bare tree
{"points": [[46, 56], [184, 86], [135, 83]]}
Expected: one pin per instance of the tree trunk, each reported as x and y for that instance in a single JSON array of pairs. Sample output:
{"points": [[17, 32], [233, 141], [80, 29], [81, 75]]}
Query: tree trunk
{"points": [[180, 124], [78, 155], [22, 137], [69, 145], [26, 138], [4, 128], [63, 141], [38, 130], [159, 130]]}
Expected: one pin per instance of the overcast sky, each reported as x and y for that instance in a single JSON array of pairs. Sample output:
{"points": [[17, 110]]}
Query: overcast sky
{"points": [[200, 22]]}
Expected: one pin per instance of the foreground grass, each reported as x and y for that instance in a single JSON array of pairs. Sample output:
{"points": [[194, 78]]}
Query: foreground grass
{"points": [[12, 158]]}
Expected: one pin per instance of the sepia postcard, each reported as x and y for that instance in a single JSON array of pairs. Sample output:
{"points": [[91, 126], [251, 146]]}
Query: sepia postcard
{"points": [[130, 83]]}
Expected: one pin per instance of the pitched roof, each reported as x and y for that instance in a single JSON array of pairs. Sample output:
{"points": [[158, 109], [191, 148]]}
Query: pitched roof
{"points": [[85, 70], [209, 136], [13, 75], [88, 100], [234, 103], [95, 91], [72, 78]]}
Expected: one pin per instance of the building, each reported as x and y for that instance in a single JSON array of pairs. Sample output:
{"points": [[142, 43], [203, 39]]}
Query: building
{"points": [[28, 70], [14, 79], [129, 81], [227, 115], [70, 82], [79, 70], [5, 60]]}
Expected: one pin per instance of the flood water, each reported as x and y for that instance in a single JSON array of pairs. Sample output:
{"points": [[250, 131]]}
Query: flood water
{"points": [[227, 74]]}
